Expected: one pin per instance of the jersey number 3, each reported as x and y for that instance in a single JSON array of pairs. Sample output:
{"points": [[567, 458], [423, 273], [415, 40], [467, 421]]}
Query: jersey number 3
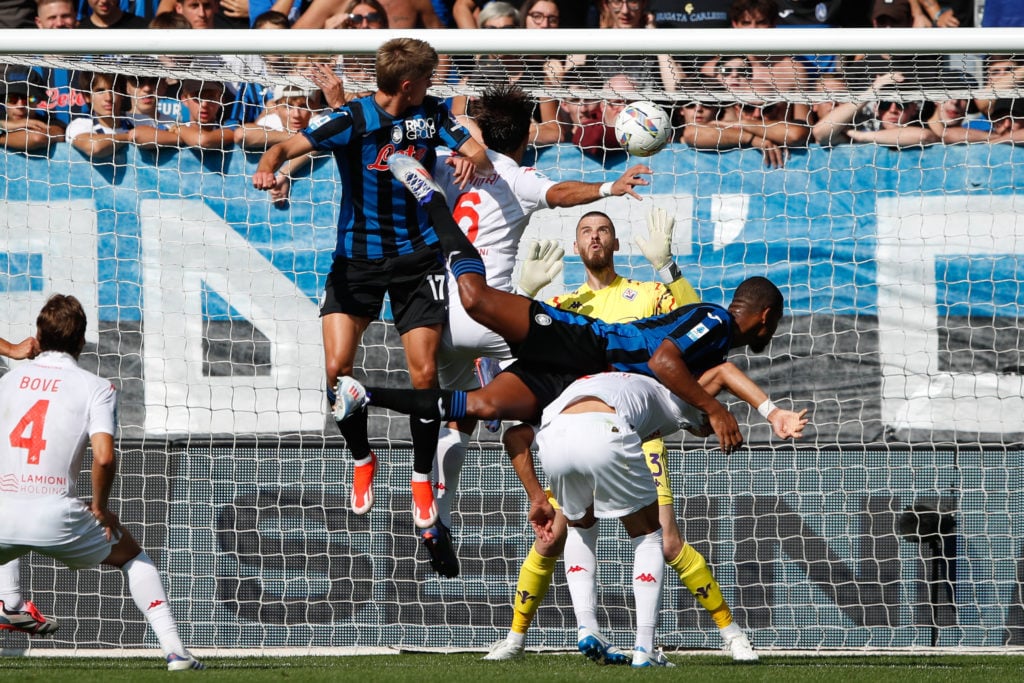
{"points": [[28, 433]]}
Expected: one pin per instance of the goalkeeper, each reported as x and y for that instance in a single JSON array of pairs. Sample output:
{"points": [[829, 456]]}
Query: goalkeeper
{"points": [[608, 296]]}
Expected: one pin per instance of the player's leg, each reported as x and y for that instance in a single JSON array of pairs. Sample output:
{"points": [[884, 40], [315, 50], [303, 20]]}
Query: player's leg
{"points": [[505, 313], [644, 528], [560, 445], [537, 570], [16, 613], [341, 336], [506, 398], [148, 593]]}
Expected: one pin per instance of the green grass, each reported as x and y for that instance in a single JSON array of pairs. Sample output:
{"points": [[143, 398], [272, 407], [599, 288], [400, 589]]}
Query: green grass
{"points": [[467, 668]]}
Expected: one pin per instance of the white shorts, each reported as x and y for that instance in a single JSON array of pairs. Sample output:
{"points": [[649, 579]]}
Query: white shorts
{"points": [[63, 528], [595, 459], [462, 342]]}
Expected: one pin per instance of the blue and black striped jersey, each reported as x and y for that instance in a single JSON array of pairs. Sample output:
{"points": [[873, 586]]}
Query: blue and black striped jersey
{"points": [[703, 333], [378, 217]]}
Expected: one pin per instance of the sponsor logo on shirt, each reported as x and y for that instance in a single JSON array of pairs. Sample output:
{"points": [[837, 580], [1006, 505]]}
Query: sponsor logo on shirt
{"points": [[629, 294], [420, 129]]}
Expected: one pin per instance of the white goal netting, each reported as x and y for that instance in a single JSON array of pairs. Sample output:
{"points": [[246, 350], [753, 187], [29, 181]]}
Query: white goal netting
{"points": [[886, 207]]}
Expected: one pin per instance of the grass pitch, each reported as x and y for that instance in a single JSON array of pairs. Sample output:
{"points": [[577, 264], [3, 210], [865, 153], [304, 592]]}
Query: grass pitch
{"points": [[468, 668]]}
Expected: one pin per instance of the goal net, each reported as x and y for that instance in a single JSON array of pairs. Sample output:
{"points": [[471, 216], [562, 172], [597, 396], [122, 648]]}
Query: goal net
{"points": [[886, 208]]}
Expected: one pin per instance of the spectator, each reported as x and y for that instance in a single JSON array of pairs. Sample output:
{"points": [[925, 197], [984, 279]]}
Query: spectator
{"points": [[540, 14], [62, 98], [830, 88], [1002, 72], [401, 14], [580, 111], [209, 13], [644, 70], [205, 129], [949, 119], [102, 131], [879, 115], [916, 69], [290, 112], [1008, 121], [358, 75], [200, 14], [151, 125], [490, 70], [770, 75], [22, 128], [108, 14], [56, 14], [292, 109], [768, 126], [695, 113], [594, 128]]}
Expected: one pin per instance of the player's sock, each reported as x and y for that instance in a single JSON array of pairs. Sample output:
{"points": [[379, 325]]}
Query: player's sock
{"points": [[451, 453], [534, 580], [148, 593], [648, 573], [424, 444], [356, 432], [462, 255], [695, 574], [429, 404], [10, 586], [580, 558]]}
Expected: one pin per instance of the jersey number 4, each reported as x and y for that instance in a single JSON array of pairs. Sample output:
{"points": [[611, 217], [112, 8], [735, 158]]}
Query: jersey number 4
{"points": [[28, 433]]}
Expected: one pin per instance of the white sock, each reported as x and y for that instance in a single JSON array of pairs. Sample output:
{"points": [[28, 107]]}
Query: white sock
{"points": [[580, 560], [148, 593], [731, 631], [451, 453], [648, 572], [516, 638], [10, 586]]}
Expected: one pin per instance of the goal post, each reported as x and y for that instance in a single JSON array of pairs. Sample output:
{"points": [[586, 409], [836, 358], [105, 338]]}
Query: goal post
{"points": [[895, 524]]}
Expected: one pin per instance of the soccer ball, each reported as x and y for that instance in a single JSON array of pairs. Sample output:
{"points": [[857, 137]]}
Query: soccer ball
{"points": [[642, 128]]}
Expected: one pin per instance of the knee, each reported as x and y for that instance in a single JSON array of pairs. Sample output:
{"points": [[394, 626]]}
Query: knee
{"points": [[335, 369], [471, 293], [424, 376], [671, 545]]}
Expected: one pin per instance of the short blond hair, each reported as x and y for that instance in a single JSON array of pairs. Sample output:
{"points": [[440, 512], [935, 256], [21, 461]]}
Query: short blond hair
{"points": [[403, 59]]}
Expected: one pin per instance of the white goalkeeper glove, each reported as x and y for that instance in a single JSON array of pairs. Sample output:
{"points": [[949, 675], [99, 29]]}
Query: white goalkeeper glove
{"points": [[657, 247], [542, 265]]}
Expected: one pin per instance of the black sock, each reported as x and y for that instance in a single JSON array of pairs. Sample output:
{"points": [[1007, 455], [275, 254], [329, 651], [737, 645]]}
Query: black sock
{"points": [[428, 404], [462, 255], [355, 430], [424, 443]]}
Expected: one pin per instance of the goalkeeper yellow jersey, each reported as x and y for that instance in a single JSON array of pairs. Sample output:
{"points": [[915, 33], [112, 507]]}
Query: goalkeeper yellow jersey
{"points": [[624, 300]]}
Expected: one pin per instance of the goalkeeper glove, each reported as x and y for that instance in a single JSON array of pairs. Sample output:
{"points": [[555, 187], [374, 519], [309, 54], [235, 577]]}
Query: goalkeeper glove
{"points": [[657, 247], [542, 265]]}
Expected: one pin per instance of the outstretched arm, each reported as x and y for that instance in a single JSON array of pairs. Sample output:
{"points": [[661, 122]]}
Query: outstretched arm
{"points": [[786, 424], [668, 366], [575, 192]]}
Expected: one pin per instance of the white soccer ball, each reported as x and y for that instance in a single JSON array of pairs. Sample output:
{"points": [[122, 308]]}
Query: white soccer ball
{"points": [[643, 128]]}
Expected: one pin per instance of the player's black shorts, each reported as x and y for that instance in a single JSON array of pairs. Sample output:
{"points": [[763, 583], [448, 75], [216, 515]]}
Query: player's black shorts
{"points": [[415, 284], [545, 386], [560, 347]]}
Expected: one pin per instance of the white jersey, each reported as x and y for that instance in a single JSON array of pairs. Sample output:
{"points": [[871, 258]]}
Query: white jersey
{"points": [[49, 407], [493, 212], [643, 402]]}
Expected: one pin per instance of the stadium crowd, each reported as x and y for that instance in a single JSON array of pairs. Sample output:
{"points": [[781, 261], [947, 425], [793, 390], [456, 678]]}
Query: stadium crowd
{"points": [[772, 103]]}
